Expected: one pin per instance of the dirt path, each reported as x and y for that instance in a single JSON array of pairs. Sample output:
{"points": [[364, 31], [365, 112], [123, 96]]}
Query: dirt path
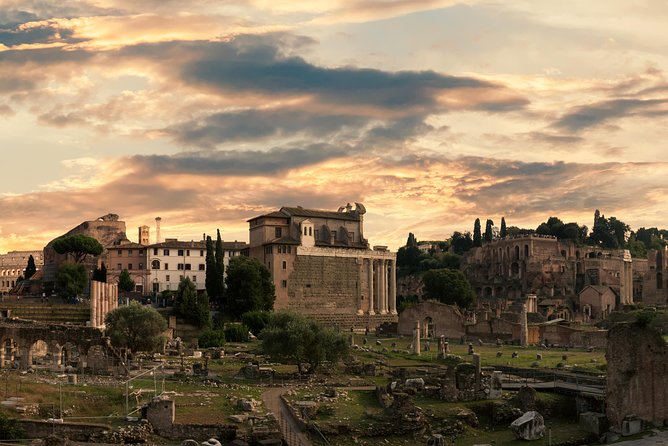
{"points": [[292, 434]]}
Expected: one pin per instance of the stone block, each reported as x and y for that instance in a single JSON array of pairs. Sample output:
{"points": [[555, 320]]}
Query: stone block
{"points": [[594, 422], [631, 427], [529, 426]]}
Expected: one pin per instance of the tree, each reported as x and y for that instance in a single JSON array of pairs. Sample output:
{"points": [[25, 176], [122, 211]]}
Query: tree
{"points": [[31, 269], [100, 274], [489, 231], [79, 246], [210, 282], [295, 339], [136, 327], [411, 240], [10, 428], [125, 282], [249, 287], [255, 320], [504, 231], [219, 276], [191, 307], [477, 238], [460, 242], [448, 286], [71, 278]]}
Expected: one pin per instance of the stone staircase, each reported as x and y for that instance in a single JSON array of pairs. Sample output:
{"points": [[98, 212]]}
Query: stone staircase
{"points": [[78, 314]]}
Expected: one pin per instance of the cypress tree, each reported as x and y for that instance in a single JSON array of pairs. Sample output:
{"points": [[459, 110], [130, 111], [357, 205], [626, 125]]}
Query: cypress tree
{"points": [[220, 268], [31, 269], [477, 237], [504, 231], [489, 234], [209, 281]]}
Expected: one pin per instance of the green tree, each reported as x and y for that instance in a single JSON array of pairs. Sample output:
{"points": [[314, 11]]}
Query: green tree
{"points": [[211, 338], [477, 236], [209, 281], [191, 307], [503, 232], [100, 274], [125, 282], [489, 230], [249, 287], [411, 240], [79, 246], [31, 269], [136, 327], [448, 286], [255, 320], [460, 242], [295, 339], [71, 278], [220, 269]]}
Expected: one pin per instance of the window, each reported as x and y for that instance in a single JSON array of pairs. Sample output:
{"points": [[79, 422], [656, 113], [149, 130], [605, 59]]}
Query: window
{"points": [[166, 265], [155, 264], [165, 252], [289, 249], [167, 279], [201, 253], [180, 277], [119, 267], [278, 232], [188, 252], [188, 267], [284, 283], [180, 252], [129, 266], [285, 264], [179, 266], [201, 267], [120, 253], [194, 278], [305, 231], [141, 266], [267, 250], [129, 252], [141, 252], [333, 233], [155, 251], [310, 230]]}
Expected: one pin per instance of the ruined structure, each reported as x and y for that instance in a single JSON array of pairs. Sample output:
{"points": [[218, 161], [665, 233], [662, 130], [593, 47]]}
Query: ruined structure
{"points": [[637, 375], [322, 265], [108, 230], [13, 265], [436, 319], [557, 270], [103, 299]]}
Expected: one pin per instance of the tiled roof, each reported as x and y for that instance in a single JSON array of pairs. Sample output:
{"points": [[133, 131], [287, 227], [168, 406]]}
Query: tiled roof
{"points": [[286, 240], [275, 214]]}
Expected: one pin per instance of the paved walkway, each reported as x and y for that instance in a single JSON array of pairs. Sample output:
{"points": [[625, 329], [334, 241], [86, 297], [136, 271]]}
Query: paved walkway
{"points": [[656, 440], [290, 430]]}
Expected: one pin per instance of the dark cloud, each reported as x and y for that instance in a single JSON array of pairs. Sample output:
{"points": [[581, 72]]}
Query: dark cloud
{"points": [[250, 125], [240, 163], [581, 118], [44, 33]]}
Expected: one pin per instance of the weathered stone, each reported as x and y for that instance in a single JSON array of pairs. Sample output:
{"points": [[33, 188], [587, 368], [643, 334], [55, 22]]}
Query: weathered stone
{"points": [[330, 392], [526, 397], [307, 409], [529, 426], [436, 440], [468, 416], [246, 405], [593, 422], [211, 442], [631, 427], [239, 418], [415, 383]]}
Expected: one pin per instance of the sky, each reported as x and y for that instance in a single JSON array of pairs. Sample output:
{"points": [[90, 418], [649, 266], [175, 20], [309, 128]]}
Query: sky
{"points": [[429, 112]]}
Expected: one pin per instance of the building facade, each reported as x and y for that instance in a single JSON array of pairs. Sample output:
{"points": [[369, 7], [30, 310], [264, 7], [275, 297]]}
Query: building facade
{"points": [[13, 265], [322, 265], [131, 257], [172, 260]]}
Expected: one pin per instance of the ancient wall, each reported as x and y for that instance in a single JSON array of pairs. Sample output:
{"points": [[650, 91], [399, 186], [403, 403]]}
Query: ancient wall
{"points": [[637, 375], [320, 284], [562, 335], [72, 431], [447, 320]]}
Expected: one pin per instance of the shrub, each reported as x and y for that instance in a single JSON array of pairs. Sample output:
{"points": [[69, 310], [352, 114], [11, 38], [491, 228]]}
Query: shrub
{"points": [[10, 429], [255, 320], [212, 338], [236, 333]]}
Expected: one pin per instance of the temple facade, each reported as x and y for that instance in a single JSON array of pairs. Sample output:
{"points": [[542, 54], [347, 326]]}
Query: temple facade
{"points": [[322, 265]]}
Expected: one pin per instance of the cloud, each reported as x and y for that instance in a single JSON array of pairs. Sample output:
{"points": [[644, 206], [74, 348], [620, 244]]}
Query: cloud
{"points": [[37, 32], [593, 115]]}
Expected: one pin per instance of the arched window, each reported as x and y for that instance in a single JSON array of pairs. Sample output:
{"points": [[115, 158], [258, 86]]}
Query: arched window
{"points": [[155, 264], [517, 253]]}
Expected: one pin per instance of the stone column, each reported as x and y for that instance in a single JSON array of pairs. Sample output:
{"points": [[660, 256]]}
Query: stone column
{"points": [[393, 288], [360, 269], [382, 287], [93, 304], [26, 357], [524, 327], [371, 312], [416, 338]]}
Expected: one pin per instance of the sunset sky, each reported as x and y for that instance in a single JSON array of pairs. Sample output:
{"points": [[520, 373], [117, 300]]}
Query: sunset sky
{"points": [[430, 112]]}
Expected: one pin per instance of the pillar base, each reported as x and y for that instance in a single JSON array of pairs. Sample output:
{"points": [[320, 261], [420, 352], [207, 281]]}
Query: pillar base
{"points": [[371, 313], [360, 312], [383, 312], [393, 312]]}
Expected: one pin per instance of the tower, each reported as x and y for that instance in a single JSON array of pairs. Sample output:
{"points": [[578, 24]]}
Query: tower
{"points": [[143, 238], [157, 229]]}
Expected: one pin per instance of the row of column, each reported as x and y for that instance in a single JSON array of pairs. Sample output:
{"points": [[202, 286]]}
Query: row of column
{"points": [[382, 291], [103, 299]]}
